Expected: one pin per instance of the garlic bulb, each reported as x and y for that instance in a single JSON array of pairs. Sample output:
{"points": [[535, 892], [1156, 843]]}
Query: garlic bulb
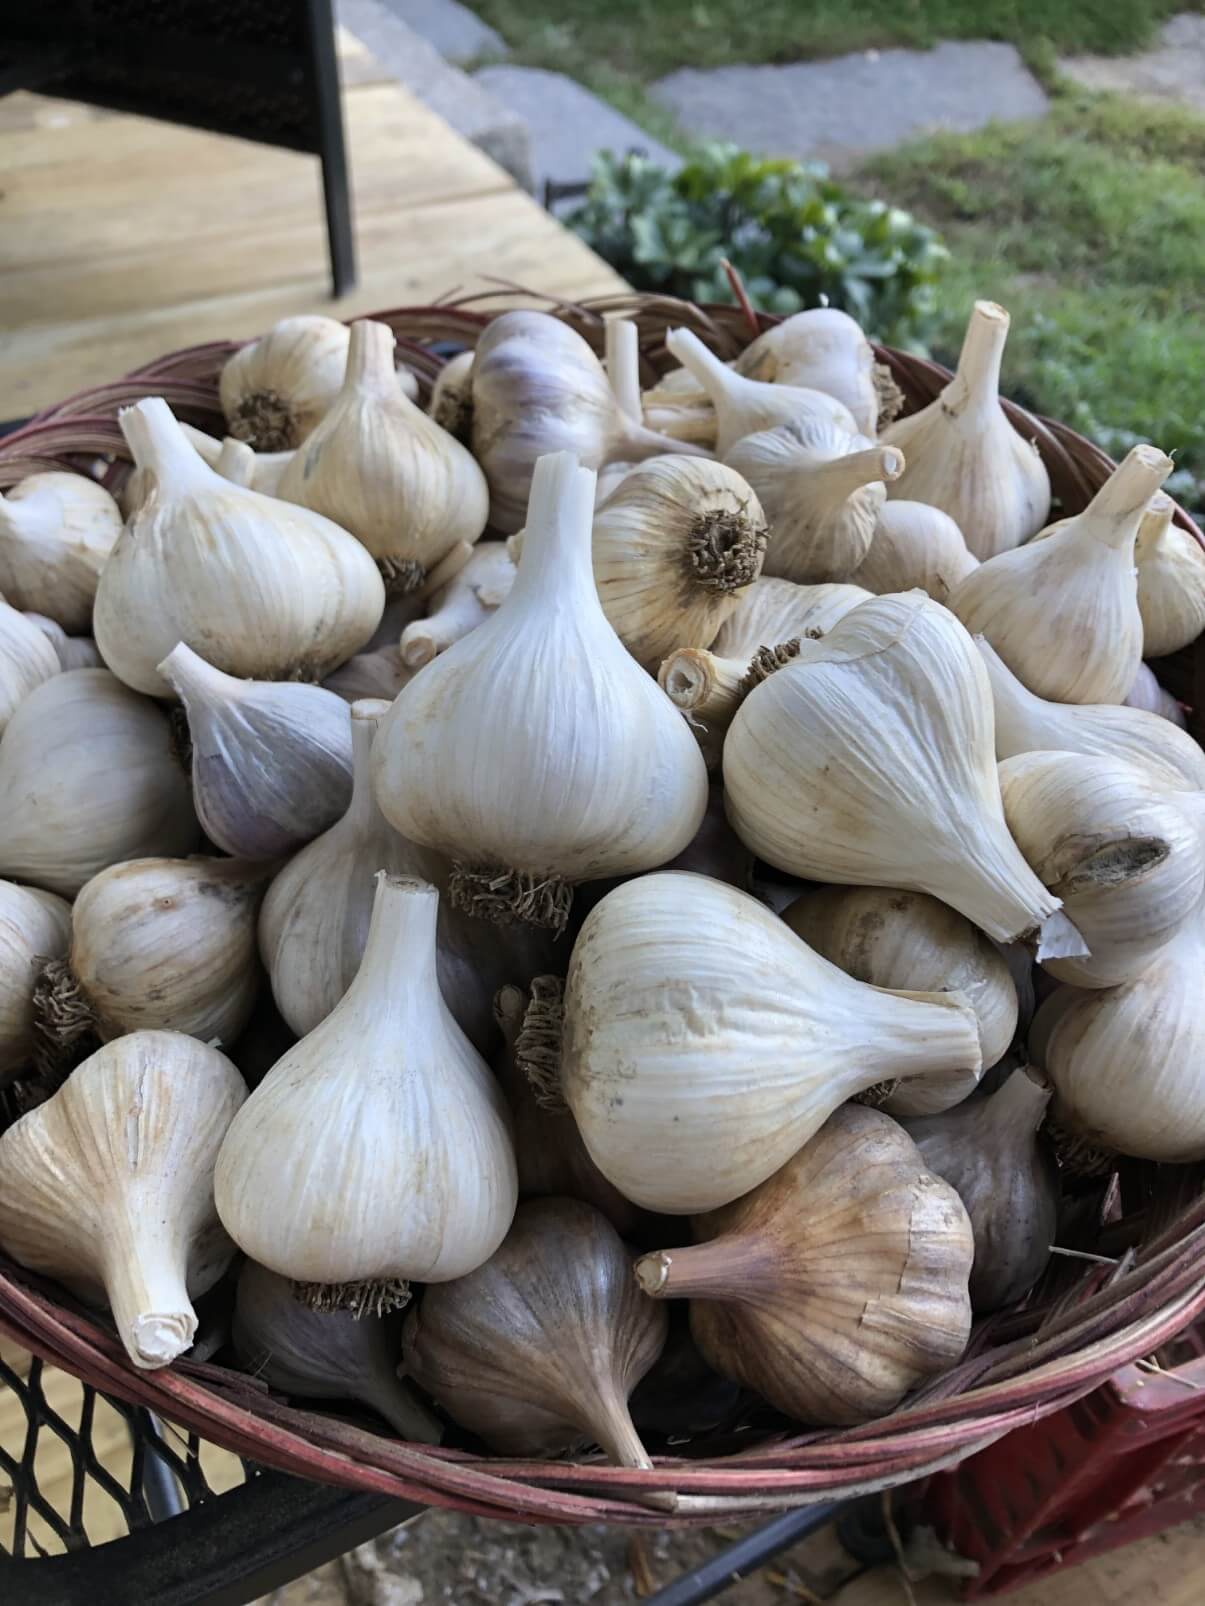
{"points": [[451, 404], [378, 1149], [27, 660], [868, 760], [537, 1351], [380, 674], [1126, 1061], [1062, 612], [822, 489], [73, 652], [704, 1042], [838, 1284], [108, 1186], [56, 530], [277, 388], [746, 406], [774, 611], [162, 944], [1027, 724], [1121, 851], [233, 459], [315, 919], [88, 779], [460, 606], [271, 760], [535, 752], [674, 546], [1171, 581], [915, 545], [964, 456], [324, 1355], [379, 467], [1146, 693], [820, 349], [34, 927], [262, 588], [538, 389], [991, 1154], [907, 940]]}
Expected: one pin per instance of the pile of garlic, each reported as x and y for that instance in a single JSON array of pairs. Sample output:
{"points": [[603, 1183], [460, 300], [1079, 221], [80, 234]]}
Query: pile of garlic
{"points": [[774, 835]]}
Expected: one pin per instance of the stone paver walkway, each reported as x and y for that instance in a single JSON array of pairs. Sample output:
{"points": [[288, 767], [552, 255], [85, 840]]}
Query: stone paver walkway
{"points": [[1174, 70]]}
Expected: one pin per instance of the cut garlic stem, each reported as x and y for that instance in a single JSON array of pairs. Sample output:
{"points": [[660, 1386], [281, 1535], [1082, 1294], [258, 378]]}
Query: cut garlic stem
{"points": [[976, 383], [699, 683], [235, 462], [623, 366]]}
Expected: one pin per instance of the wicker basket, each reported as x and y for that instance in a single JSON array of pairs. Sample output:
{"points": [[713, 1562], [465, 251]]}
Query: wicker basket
{"points": [[1087, 1317]]}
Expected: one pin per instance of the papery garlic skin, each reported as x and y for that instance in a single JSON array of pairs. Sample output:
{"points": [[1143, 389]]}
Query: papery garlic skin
{"points": [[459, 607], [1171, 581], [34, 927], [276, 389], [56, 531], [915, 545], [88, 779], [773, 611], [27, 660], [260, 587], [704, 1042], [869, 760], [108, 1186], [963, 455], [820, 349]]}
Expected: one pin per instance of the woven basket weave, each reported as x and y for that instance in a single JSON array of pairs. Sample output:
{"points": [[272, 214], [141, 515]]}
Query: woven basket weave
{"points": [[1086, 1318]]}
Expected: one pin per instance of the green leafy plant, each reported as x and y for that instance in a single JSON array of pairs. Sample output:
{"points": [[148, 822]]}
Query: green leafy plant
{"points": [[797, 237]]}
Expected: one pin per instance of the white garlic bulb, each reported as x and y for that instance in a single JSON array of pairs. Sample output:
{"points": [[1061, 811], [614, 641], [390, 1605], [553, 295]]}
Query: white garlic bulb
{"points": [[1146, 693], [56, 530], [674, 547], [822, 489], [1171, 581], [379, 1147], [535, 752], [271, 760], [459, 607], [27, 660], [915, 545], [1062, 612], [261, 587], [451, 403], [34, 927], [87, 779], [73, 652], [380, 468], [820, 349], [108, 1186], [964, 456], [275, 389], [773, 611], [869, 759], [704, 1043]]}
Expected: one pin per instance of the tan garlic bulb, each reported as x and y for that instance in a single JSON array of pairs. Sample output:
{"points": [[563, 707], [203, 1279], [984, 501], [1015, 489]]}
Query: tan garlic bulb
{"points": [[915, 545], [1062, 612], [27, 660], [324, 1355], [1123, 853], [535, 752], [991, 1153], [869, 760], [822, 489], [537, 1351], [35, 927], [1146, 693], [73, 652], [277, 388], [378, 1149], [88, 779], [836, 1285], [907, 940], [159, 944], [261, 587], [459, 607], [674, 547], [1171, 581], [108, 1186], [820, 349], [379, 467], [966, 458], [704, 1042], [451, 404], [56, 530]]}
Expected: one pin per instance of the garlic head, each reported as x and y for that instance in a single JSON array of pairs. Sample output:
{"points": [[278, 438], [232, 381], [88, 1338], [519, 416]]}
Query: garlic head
{"points": [[915, 545], [27, 660], [824, 349], [1171, 581], [275, 389], [56, 531], [34, 927]]}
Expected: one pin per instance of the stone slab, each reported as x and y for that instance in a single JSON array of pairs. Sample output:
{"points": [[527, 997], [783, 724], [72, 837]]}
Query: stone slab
{"points": [[456, 32], [1174, 70]]}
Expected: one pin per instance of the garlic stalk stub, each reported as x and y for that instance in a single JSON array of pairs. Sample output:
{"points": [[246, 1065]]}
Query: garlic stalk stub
{"points": [[820, 349], [838, 1284], [915, 545], [275, 389], [271, 761], [35, 927], [1062, 612], [109, 1185], [704, 1042], [378, 1149], [262, 588], [964, 456], [460, 606], [1171, 581], [379, 467], [56, 531], [869, 760], [535, 752], [674, 547], [27, 660], [537, 1351]]}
